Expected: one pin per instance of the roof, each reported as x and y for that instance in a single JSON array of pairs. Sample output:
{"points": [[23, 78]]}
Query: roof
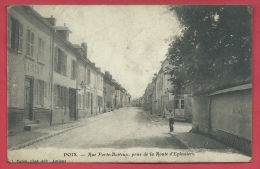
{"points": [[76, 46], [62, 28], [232, 89]]}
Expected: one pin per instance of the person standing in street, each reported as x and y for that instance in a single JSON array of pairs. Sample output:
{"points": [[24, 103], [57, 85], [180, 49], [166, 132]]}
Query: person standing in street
{"points": [[171, 121]]}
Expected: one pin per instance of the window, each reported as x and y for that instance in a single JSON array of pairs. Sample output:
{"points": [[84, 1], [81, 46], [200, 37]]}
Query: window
{"points": [[101, 83], [79, 101], [20, 37], [87, 99], [41, 45], [60, 64], [73, 70], [89, 78], [61, 96], [95, 80], [176, 104], [15, 34], [30, 43], [39, 92], [182, 104]]}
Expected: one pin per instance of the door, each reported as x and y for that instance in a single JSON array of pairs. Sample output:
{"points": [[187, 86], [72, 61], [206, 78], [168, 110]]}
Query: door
{"points": [[28, 98], [72, 104], [179, 107]]}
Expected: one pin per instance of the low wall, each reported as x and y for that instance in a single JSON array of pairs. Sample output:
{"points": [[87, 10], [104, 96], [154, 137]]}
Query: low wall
{"points": [[226, 115], [231, 118]]}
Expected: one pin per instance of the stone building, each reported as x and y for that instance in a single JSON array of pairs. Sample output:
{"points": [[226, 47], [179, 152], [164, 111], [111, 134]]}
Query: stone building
{"points": [[29, 64]]}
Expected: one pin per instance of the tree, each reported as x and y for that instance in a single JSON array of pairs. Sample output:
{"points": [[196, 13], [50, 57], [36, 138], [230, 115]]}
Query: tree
{"points": [[214, 49]]}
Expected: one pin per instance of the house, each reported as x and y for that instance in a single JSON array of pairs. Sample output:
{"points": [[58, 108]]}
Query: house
{"points": [[29, 64], [100, 92], [109, 92], [64, 82], [161, 100]]}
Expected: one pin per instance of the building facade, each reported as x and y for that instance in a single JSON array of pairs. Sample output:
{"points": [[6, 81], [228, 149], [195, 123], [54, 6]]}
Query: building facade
{"points": [[29, 63], [159, 99], [50, 80]]}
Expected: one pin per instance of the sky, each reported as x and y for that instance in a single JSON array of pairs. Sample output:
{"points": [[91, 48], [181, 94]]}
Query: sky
{"points": [[128, 41]]}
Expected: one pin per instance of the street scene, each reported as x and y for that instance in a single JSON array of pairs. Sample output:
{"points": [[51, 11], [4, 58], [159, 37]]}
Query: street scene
{"points": [[130, 129], [137, 84]]}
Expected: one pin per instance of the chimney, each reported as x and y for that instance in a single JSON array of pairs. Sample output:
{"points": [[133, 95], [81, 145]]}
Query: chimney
{"points": [[106, 74], [85, 49], [63, 31], [51, 20]]}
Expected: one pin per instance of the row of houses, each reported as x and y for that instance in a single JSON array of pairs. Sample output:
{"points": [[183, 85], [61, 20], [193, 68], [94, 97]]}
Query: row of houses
{"points": [[51, 80], [158, 99], [223, 114]]}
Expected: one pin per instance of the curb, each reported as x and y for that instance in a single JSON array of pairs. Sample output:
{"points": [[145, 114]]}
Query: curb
{"points": [[183, 142], [186, 144], [28, 143], [151, 116]]}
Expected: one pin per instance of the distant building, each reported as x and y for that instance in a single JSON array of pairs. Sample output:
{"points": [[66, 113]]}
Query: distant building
{"points": [[159, 99]]}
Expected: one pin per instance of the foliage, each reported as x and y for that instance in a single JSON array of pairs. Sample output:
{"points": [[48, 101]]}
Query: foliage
{"points": [[214, 49]]}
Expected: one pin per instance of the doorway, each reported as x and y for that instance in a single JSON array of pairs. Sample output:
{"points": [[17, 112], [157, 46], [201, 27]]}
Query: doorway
{"points": [[72, 104], [28, 98]]}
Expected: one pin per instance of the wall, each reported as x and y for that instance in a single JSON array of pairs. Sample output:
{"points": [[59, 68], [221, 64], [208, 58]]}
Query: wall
{"points": [[15, 119], [188, 103], [200, 113], [227, 116], [232, 112]]}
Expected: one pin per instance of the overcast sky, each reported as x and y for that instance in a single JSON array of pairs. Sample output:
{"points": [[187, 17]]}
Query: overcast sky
{"points": [[128, 41]]}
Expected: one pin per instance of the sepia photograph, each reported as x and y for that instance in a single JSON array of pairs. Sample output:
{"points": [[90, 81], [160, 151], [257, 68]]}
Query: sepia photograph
{"points": [[129, 83]]}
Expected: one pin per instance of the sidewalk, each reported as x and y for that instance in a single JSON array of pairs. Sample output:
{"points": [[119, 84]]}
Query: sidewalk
{"points": [[191, 140], [24, 138]]}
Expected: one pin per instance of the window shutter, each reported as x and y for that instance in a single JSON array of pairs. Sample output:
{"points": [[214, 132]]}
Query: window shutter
{"points": [[32, 44], [65, 64], [42, 93], [62, 63], [71, 69], [56, 58], [35, 92], [67, 97], [58, 95], [45, 89], [55, 96], [16, 35], [20, 46], [28, 42]]}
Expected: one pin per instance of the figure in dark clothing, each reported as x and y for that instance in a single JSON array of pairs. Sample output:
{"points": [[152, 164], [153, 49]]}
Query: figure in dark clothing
{"points": [[171, 121]]}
